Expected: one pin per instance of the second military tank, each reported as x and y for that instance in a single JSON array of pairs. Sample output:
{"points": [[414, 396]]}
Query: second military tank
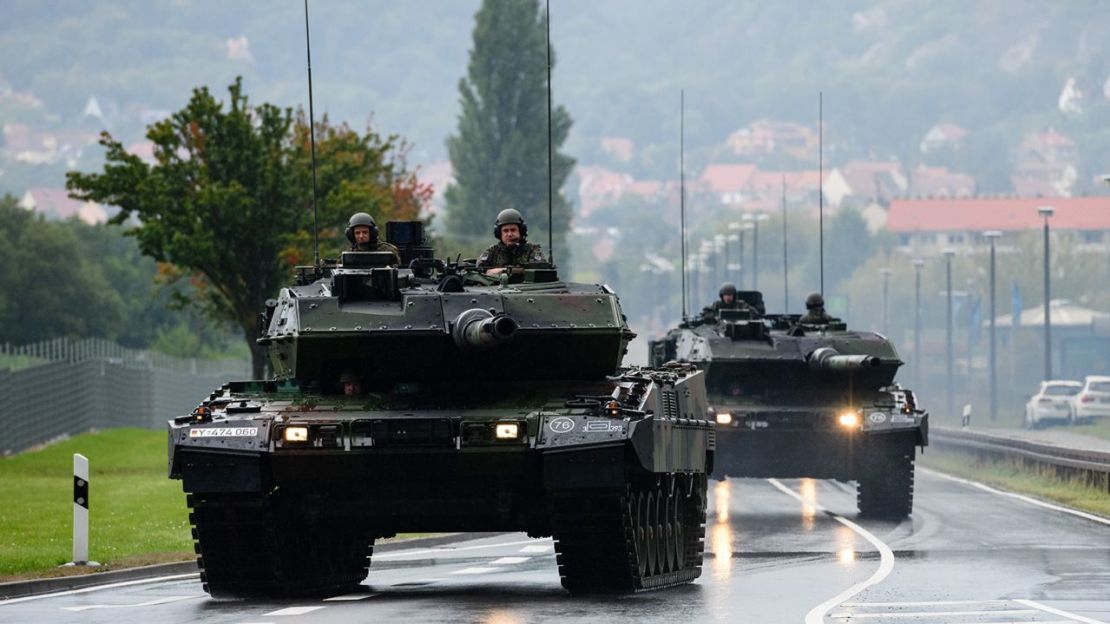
{"points": [[433, 398], [797, 399]]}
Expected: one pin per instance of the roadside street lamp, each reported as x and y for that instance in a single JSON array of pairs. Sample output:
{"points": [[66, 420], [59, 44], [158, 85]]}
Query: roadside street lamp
{"points": [[991, 236], [756, 218], [744, 227], [885, 272], [1046, 212], [917, 264], [948, 253], [734, 229]]}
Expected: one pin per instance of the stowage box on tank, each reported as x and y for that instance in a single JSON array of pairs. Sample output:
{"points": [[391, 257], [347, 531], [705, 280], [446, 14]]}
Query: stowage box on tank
{"points": [[793, 399], [435, 398]]}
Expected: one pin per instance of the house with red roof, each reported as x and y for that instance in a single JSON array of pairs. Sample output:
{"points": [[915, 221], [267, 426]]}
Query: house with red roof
{"points": [[728, 182], [1045, 165], [766, 136], [940, 183], [926, 226], [941, 136]]}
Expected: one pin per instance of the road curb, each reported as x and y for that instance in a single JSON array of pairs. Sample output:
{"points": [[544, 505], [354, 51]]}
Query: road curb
{"points": [[20, 589]]}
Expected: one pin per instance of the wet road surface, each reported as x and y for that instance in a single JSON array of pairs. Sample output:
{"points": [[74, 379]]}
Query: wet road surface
{"points": [[776, 551]]}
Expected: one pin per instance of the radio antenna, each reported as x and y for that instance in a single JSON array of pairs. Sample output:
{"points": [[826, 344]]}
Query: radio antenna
{"points": [[550, 154], [682, 189], [312, 140], [821, 183], [785, 264]]}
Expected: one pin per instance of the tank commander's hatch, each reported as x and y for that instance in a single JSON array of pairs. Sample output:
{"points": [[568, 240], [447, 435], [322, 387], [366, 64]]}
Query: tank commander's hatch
{"points": [[366, 259]]}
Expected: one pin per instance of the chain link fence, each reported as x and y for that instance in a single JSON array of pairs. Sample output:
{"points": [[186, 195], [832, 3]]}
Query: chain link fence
{"points": [[59, 387]]}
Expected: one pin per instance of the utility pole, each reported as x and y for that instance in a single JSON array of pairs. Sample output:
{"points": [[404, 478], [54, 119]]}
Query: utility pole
{"points": [[991, 236]]}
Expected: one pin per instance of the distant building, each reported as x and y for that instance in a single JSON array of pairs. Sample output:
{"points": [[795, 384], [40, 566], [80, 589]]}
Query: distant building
{"points": [[869, 182], [1045, 165], [926, 226], [728, 182], [940, 183], [942, 136], [57, 204], [765, 136], [620, 148]]}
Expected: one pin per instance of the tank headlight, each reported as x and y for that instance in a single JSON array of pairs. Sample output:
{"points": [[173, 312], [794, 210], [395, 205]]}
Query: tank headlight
{"points": [[848, 420], [724, 418], [507, 431], [295, 434]]}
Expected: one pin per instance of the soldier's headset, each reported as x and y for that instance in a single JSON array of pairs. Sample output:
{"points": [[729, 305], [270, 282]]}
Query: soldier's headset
{"points": [[351, 232], [522, 225]]}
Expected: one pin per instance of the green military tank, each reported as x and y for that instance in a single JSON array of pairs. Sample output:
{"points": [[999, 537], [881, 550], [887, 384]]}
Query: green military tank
{"points": [[793, 399], [435, 398]]}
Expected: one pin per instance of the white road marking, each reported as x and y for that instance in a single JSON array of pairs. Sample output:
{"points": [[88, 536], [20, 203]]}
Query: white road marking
{"points": [[509, 560], [349, 597], [817, 614], [294, 611], [925, 603], [447, 551], [148, 603], [85, 590], [919, 614], [1060, 612], [475, 570], [1025, 499], [535, 549]]}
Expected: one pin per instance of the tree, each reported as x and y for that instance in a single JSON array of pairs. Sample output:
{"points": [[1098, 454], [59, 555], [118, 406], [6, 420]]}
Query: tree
{"points": [[500, 153], [227, 204]]}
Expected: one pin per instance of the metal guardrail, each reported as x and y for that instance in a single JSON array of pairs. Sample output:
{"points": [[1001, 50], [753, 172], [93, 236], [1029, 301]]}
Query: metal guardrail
{"points": [[1090, 465]]}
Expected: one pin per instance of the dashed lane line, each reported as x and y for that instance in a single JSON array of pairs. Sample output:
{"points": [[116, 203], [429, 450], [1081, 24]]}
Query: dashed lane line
{"points": [[446, 551], [817, 614], [538, 548], [349, 597], [926, 603], [1020, 497], [1054, 611], [926, 614], [293, 611], [509, 560]]}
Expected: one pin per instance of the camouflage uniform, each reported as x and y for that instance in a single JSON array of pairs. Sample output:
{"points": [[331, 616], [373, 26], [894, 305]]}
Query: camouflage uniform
{"points": [[502, 255], [381, 246], [816, 317]]}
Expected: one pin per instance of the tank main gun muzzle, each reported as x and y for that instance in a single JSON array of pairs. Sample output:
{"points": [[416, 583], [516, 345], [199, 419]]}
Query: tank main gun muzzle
{"points": [[481, 329], [828, 358]]}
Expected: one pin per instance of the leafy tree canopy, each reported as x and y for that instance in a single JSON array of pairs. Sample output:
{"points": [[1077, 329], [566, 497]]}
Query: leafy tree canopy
{"points": [[227, 202]]}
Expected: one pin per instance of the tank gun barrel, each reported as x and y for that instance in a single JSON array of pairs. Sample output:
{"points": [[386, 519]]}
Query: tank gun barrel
{"points": [[481, 329], [828, 358]]}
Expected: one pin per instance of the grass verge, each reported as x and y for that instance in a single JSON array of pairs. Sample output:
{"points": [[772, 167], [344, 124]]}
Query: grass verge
{"points": [[137, 516], [1013, 476]]}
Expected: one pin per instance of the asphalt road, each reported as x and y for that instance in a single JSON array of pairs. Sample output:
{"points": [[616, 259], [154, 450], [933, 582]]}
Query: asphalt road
{"points": [[790, 551]]}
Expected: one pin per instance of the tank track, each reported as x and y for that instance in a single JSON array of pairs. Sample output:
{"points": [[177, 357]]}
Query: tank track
{"points": [[267, 545], [648, 537], [886, 490]]}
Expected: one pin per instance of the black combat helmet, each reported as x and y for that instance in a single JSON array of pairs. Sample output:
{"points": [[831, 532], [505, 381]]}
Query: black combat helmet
{"points": [[728, 288], [814, 301], [510, 216], [361, 218]]}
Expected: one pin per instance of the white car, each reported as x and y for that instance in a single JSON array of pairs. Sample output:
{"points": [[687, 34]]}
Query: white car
{"points": [[1093, 400], [1052, 403]]}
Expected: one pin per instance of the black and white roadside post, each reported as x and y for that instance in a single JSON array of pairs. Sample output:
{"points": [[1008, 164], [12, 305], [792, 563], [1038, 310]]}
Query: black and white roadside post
{"points": [[1046, 212], [948, 253], [81, 512], [917, 264], [991, 236], [885, 272]]}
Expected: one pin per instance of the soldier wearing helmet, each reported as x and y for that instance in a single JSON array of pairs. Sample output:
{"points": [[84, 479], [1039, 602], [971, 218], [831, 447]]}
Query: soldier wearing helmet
{"points": [[727, 299], [512, 247], [348, 380], [362, 232], [815, 310]]}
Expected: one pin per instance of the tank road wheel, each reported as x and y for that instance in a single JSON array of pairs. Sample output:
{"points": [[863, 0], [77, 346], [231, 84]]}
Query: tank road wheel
{"points": [[261, 545], [886, 489], [648, 537]]}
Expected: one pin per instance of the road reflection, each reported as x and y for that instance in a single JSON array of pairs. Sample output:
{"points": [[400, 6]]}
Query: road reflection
{"points": [[845, 545], [807, 489], [501, 616], [720, 532]]}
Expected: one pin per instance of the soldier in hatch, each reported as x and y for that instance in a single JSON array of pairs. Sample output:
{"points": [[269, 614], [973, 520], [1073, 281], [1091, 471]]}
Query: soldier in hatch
{"points": [[512, 248], [348, 381], [363, 234], [727, 299], [815, 310]]}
